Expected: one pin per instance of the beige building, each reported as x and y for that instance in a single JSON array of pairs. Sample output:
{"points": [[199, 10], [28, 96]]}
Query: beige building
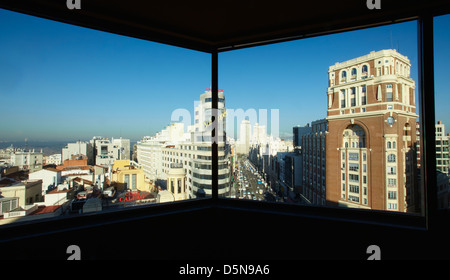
{"points": [[176, 181], [370, 143], [28, 192], [126, 174]]}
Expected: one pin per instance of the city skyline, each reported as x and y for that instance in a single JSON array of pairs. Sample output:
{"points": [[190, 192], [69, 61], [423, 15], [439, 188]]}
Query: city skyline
{"points": [[64, 82]]}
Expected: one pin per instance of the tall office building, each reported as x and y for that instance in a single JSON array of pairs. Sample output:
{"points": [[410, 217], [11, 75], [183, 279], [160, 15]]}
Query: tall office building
{"points": [[314, 158], [370, 145], [298, 132], [243, 145], [442, 149], [190, 151], [202, 119]]}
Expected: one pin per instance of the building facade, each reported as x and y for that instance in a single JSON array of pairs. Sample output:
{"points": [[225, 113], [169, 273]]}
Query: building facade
{"points": [[105, 151], [442, 149], [125, 175], [78, 148], [27, 160], [370, 145], [50, 177], [191, 149], [243, 144], [298, 132], [313, 152]]}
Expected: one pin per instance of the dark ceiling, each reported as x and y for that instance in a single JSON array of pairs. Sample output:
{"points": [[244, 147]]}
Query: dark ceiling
{"points": [[223, 25]]}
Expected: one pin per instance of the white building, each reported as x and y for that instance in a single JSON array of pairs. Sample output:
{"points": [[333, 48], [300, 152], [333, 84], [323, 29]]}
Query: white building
{"points": [[27, 160], [259, 134], [55, 159], [106, 151], [192, 149], [124, 148], [78, 148], [442, 148], [50, 178], [245, 136]]}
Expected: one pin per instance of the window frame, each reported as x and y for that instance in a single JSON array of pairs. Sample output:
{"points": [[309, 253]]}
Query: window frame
{"points": [[425, 88]]}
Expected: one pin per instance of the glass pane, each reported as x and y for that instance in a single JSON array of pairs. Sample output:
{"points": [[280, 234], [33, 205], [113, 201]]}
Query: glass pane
{"points": [[442, 117], [307, 114], [94, 121]]}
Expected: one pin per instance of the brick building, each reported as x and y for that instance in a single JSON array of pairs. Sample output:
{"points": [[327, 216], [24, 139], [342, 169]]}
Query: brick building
{"points": [[370, 144]]}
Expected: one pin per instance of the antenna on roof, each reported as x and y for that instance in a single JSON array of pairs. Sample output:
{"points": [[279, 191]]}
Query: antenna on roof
{"points": [[391, 39]]}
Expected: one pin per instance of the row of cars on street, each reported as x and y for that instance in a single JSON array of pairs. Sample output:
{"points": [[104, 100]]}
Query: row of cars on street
{"points": [[251, 184]]}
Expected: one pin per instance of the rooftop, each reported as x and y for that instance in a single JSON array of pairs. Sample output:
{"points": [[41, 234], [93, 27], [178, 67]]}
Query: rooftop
{"points": [[372, 55]]}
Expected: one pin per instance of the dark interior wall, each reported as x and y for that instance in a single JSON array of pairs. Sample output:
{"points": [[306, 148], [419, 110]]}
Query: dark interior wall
{"points": [[224, 233]]}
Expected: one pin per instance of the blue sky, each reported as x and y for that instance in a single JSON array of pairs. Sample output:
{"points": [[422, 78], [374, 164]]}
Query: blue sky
{"points": [[62, 82]]}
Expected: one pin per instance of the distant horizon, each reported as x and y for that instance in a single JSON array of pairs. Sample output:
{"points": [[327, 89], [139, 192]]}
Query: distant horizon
{"points": [[63, 82]]}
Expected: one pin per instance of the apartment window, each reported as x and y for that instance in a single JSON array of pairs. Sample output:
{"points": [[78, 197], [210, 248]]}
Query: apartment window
{"points": [[353, 167], [392, 195], [363, 95], [352, 96], [392, 206], [353, 178], [353, 156], [344, 75], [365, 69], [389, 96], [353, 188], [133, 181], [391, 158], [391, 170], [127, 181]]}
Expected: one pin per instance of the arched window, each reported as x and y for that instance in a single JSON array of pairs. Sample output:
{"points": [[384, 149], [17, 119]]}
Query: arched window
{"points": [[356, 135], [365, 69], [344, 75], [389, 144], [391, 158], [353, 71]]}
